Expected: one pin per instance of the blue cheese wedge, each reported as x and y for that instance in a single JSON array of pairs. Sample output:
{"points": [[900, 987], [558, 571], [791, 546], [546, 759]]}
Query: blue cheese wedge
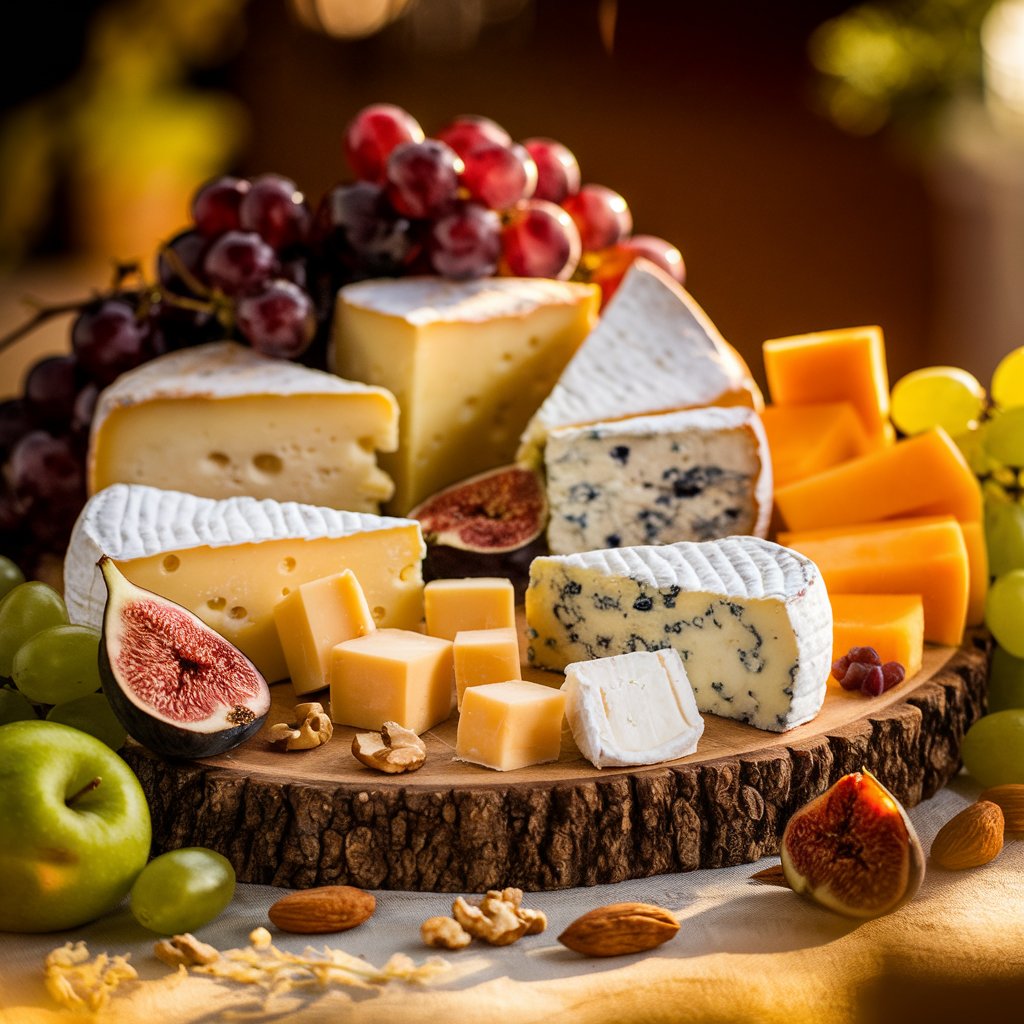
{"points": [[653, 350], [632, 709], [695, 475], [750, 619]]}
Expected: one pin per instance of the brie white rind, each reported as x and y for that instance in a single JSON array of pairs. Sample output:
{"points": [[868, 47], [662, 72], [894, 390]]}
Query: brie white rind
{"points": [[750, 619], [653, 350], [220, 420], [632, 709]]}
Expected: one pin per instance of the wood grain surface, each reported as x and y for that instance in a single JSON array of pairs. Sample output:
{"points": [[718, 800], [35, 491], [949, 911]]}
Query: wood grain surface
{"points": [[320, 817]]}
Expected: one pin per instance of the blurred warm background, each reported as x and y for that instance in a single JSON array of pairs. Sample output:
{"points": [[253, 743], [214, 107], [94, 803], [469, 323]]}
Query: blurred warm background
{"points": [[820, 164]]}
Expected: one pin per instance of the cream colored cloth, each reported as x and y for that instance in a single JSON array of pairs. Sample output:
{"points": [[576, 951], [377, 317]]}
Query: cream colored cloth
{"points": [[745, 953]]}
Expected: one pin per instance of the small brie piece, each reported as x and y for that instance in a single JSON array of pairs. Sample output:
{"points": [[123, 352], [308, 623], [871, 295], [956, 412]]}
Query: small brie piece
{"points": [[653, 350], [632, 709], [220, 420], [750, 619], [230, 562], [694, 475]]}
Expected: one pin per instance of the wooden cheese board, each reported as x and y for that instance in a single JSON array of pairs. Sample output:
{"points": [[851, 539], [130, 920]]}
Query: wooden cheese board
{"points": [[320, 817]]}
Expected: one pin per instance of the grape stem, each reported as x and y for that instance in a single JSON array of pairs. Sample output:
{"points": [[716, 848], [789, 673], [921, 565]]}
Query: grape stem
{"points": [[42, 314], [87, 788]]}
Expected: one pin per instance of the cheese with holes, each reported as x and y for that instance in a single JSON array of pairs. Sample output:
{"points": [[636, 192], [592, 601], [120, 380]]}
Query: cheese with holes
{"points": [[750, 619], [699, 474], [632, 709], [805, 439], [220, 420], [924, 475], [891, 623], [469, 362], [653, 350], [231, 561]]}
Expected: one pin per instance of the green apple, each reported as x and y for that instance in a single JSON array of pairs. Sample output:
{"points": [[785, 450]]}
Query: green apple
{"points": [[74, 827]]}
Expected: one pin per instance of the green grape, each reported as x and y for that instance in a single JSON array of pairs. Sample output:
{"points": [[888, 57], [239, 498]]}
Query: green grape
{"points": [[58, 664], [993, 748], [937, 396], [25, 611], [1004, 612], [14, 707], [92, 714], [1004, 438], [972, 446], [10, 576], [1008, 380], [182, 890], [1005, 682], [1004, 532]]}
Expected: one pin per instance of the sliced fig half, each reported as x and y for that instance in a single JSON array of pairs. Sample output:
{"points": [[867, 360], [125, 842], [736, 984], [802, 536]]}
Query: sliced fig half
{"points": [[853, 849], [176, 685], [493, 512]]}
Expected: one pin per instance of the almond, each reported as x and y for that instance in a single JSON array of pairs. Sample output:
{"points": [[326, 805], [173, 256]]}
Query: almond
{"points": [[619, 928], [331, 908], [972, 838], [1010, 798]]}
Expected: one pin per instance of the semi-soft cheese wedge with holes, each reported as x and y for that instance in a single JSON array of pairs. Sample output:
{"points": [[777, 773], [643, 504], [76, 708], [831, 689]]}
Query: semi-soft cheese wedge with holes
{"points": [[231, 561], [469, 362], [698, 474], [750, 619], [632, 709], [653, 350], [220, 420]]}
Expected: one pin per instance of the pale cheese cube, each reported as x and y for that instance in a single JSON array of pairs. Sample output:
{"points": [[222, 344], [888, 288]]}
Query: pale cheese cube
{"points": [[479, 602], [485, 656]]}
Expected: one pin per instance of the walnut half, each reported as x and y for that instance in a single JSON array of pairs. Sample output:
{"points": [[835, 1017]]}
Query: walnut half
{"points": [[184, 949], [499, 918], [444, 933], [313, 727], [393, 750]]}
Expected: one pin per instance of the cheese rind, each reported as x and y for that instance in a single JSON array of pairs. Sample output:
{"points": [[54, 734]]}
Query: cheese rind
{"points": [[653, 350], [750, 619], [220, 420], [694, 475], [632, 709], [231, 561], [469, 362]]}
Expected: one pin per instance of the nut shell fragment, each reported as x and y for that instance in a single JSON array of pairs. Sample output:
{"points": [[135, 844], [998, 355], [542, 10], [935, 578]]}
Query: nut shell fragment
{"points": [[972, 838], [329, 908], [394, 749], [620, 928]]}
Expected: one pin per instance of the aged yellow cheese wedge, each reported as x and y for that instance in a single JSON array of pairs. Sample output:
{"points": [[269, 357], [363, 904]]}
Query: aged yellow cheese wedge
{"points": [[469, 362], [314, 618], [805, 439], [392, 675], [891, 623], [510, 725], [929, 559], [221, 420], [480, 602], [485, 656], [921, 476]]}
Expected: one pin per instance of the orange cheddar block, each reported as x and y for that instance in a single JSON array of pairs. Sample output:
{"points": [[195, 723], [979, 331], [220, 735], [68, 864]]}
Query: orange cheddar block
{"points": [[846, 365], [974, 539], [805, 439], [928, 559], [891, 623], [924, 475]]}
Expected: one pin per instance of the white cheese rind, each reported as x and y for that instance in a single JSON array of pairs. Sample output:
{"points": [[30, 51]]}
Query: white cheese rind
{"points": [[694, 475], [632, 709], [129, 521], [750, 619], [653, 350]]}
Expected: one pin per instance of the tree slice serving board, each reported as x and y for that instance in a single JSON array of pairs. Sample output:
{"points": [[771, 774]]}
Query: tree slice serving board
{"points": [[320, 817]]}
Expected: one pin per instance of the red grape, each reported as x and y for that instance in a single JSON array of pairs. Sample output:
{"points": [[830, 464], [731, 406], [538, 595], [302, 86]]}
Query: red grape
{"points": [[44, 467], [466, 243], [873, 682], [109, 339], [539, 240], [190, 249], [373, 133], [50, 388], [558, 173], [866, 655], [660, 252], [279, 321], [276, 210], [855, 675], [470, 131], [16, 421], [85, 406], [12, 513], [499, 176], [239, 262], [215, 206], [423, 178], [602, 216], [893, 673]]}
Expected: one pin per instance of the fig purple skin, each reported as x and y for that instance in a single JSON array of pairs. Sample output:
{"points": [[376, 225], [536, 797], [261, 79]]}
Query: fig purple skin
{"points": [[175, 684]]}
